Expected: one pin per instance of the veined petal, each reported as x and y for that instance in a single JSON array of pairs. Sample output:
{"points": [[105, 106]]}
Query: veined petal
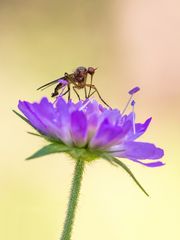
{"points": [[92, 113], [49, 117], [149, 164], [140, 129], [45, 108], [106, 136], [140, 150], [62, 120], [32, 116], [46, 113], [78, 128]]}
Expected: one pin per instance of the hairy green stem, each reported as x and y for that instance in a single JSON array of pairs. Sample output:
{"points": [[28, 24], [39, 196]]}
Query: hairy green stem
{"points": [[73, 200]]}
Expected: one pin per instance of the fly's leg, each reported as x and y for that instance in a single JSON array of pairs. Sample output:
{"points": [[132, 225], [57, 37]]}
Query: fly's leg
{"points": [[65, 93], [85, 91], [61, 95], [89, 93], [74, 88], [95, 90]]}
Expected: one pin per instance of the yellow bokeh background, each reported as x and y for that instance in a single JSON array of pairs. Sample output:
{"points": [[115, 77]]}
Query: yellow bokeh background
{"points": [[132, 42]]}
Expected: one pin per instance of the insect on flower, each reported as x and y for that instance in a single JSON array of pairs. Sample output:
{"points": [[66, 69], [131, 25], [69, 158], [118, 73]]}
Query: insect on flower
{"points": [[79, 81]]}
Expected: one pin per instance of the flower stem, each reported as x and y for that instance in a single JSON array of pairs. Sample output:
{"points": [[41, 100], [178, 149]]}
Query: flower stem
{"points": [[73, 200]]}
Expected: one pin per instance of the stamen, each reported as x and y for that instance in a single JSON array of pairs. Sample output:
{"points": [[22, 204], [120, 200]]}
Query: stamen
{"points": [[133, 103], [127, 105], [131, 93], [134, 127], [84, 105]]}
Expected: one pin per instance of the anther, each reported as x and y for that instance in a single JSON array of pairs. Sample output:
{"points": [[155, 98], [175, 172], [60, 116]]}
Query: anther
{"points": [[134, 90], [133, 103]]}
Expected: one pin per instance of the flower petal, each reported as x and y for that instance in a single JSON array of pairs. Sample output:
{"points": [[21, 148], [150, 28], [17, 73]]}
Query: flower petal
{"points": [[140, 129], [79, 128], [45, 108], [44, 118], [106, 136], [62, 120], [140, 150], [149, 164], [28, 110]]}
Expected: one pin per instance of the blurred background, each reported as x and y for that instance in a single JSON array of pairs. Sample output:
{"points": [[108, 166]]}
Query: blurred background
{"points": [[132, 42]]}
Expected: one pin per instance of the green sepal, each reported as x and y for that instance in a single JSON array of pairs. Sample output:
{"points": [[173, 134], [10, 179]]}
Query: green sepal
{"points": [[117, 162], [22, 117], [84, 154], [27, 121], [35, 134], [76, 153], [49, 149]]}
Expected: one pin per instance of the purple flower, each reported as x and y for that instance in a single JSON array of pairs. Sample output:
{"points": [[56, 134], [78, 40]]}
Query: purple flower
{"points": [[87, 125]]}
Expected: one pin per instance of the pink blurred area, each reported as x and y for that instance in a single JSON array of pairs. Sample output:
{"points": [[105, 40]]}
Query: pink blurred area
{"points": [[150, 33]]}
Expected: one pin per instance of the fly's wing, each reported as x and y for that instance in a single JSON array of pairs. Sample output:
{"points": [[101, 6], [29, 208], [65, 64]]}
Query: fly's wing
{"points": [[68, 77], [49, 84], [53, 82]]}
